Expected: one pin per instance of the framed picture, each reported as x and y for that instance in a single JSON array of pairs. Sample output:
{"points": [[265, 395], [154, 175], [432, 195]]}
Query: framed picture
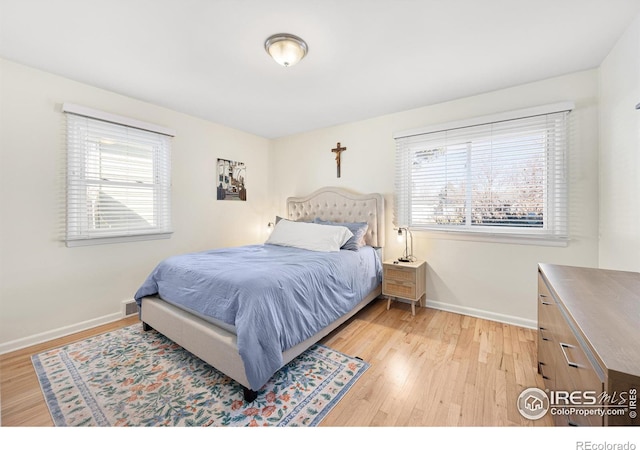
{"points": [[231, 180]]}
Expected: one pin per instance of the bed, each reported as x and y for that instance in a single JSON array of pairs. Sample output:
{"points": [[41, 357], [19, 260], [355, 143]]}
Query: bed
{"points": [[237, 315]]}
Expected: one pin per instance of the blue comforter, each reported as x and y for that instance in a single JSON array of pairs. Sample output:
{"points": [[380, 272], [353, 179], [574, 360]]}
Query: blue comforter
{"points": [[276, 297]]}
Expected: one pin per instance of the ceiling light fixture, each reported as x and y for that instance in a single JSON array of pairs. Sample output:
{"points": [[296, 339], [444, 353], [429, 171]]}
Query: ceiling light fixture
{"points": [[286, 49]]}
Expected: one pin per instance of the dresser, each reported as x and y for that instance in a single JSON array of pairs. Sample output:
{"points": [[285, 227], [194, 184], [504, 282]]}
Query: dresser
{"points": [[406, 280], [589, 343]]}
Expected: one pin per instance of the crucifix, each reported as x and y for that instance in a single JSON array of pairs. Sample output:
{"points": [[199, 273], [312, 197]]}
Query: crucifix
{"points": [[337, 151]]}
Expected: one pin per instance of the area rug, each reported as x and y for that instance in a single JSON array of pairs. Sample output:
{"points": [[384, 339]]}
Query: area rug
{"points": [[130, 377]]}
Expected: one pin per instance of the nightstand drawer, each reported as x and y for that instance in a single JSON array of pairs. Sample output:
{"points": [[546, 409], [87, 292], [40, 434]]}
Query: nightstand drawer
{"points": [[401, 274], [407, 291]]}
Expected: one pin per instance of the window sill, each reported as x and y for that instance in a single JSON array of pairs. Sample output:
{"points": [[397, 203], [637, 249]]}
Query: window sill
{"points": [[116, 239], [502, 238]]}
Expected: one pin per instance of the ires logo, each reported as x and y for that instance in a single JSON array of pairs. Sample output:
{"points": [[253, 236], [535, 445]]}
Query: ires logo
{"points": [[574, 398], [534, 403], [587, 398]]}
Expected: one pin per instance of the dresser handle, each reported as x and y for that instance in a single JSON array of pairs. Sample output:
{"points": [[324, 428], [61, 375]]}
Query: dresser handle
{"points": [[542, 301], [542, 336], [562, 347], [540, 366]]}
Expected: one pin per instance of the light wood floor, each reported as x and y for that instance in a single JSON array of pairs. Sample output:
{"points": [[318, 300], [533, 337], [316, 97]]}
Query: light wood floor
{"points": [[432, 369]]}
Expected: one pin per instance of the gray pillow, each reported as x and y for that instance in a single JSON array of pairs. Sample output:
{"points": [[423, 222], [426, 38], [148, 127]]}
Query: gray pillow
{"points": [[359, 229]]}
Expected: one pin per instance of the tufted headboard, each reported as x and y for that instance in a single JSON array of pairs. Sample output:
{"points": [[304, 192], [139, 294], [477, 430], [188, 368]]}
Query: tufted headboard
{"points": [[339, 205]]}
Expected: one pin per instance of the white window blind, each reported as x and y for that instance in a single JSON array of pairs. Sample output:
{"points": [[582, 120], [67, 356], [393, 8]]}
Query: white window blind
{"points": [[118, 178], [502, 177]]}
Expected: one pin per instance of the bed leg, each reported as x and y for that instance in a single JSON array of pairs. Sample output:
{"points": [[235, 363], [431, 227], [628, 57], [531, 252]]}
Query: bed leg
{"points": [[249, 395], [146, 327]]}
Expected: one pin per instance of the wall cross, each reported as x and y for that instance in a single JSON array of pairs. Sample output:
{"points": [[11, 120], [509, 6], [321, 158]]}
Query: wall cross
{"points": [[338, 150]]}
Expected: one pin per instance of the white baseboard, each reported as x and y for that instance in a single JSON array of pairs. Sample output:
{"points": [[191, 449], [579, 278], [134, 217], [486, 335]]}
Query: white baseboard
{"points": [[82, 326], [482, 314], [57, 333]]}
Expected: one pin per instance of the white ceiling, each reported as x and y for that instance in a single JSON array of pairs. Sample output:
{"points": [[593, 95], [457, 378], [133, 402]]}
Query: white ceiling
{"points": [[366, 57]]}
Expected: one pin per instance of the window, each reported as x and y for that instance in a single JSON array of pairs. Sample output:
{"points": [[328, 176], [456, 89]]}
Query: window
{"points": [[503, 176], [118, 178]]}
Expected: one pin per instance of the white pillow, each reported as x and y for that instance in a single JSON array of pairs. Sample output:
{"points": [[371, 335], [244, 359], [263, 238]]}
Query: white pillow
{"points": [[309, 236]]}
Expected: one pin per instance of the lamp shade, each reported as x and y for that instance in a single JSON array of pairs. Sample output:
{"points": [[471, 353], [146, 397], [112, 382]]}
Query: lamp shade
{"points": [[286, 49]]}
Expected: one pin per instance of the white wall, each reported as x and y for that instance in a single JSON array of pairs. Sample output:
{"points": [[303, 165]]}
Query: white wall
{"points": [[47, 289], [489, 279], [620, 154]]}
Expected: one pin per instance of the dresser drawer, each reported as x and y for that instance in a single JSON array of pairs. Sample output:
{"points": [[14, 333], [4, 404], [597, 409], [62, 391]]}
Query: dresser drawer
{"points": [[547, 326], [401, 274], [572, 356], [549, 317], [581, 373], [543, 290], [403, 290], [546, 311], [566, 381], [546, 362]]}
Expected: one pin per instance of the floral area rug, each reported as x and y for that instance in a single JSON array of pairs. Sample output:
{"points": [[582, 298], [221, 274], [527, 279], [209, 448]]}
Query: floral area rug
{"points": [[130, 377]]}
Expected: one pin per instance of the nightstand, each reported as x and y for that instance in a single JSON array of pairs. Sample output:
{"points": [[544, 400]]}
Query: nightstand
{"points": [[406, 280]]}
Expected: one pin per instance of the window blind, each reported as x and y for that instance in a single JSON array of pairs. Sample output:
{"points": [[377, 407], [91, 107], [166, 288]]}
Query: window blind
{"points": [[502, 177], [118, 181]]}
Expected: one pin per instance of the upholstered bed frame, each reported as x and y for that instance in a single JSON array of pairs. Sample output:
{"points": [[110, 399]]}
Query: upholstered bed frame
{"points": [[218, 345]]}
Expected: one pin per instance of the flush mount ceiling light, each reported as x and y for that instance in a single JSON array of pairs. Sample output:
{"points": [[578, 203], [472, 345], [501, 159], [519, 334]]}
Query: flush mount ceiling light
{"points": [[286, 49]]}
